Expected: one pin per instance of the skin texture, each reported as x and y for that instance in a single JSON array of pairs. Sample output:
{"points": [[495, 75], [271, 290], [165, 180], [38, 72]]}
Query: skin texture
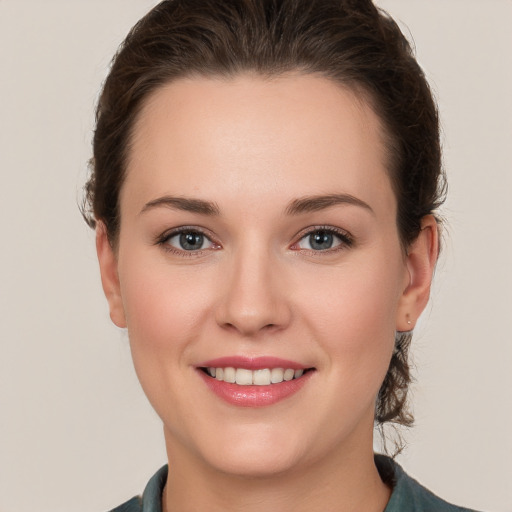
{"points": [[251, 147]]}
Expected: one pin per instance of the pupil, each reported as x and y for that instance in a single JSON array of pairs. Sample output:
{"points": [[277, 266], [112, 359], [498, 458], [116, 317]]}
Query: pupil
{"points": [[321, 240], [191, 241]]}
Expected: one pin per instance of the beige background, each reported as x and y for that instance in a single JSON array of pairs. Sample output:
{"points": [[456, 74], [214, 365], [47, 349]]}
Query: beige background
{"points": [[75, 430]]}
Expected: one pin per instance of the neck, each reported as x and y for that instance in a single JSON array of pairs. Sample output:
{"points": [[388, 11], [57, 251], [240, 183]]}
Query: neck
{"points": [[335, 483]]}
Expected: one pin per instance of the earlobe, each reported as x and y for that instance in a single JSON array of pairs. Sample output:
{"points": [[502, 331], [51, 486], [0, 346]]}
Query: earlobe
{"points": [[109, 275], [421, 260]]}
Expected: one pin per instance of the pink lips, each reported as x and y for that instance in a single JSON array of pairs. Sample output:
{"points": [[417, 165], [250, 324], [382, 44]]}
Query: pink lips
{"points": [[252, 395], [252, 363]]}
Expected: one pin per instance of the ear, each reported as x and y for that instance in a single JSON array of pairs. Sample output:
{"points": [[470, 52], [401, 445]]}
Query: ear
{"points": [[109, 275], [421, 260]]}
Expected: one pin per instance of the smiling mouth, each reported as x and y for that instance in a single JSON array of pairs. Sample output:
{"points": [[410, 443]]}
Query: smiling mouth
{"points": [[262, 377]]}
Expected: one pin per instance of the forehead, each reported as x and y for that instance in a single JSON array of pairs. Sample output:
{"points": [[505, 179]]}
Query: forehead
{"points": [[256, 137]]}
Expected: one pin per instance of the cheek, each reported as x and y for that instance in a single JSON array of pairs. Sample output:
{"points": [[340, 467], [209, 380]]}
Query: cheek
{"points": [[165, 310], [353, 310], [164, 307]]}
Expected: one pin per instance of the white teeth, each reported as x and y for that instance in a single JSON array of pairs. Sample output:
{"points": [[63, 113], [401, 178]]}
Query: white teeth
{"points": [[288, 374], [263, 377], [229, 375], [276, 375], [243, 377]]}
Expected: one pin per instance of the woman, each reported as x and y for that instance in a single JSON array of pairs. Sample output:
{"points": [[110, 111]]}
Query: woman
{"points": [[265, 181]]}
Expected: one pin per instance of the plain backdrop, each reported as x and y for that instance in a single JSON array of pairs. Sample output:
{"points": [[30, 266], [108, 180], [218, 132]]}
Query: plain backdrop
{"points": [[76, 433]]}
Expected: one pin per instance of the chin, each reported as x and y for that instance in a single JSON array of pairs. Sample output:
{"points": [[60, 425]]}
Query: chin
{"points": [[256, 451], [264, 462]]}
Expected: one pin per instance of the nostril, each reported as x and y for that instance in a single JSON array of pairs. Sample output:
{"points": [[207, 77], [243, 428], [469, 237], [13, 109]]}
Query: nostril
{"points": [[250, 326], [248, 310]]}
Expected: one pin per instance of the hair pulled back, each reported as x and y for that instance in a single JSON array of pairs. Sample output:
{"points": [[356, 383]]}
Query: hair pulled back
{"points": [[348, 41]]}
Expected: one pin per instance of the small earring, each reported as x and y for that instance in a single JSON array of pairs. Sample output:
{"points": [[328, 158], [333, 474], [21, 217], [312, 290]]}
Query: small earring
{"points": [[408, 320]]}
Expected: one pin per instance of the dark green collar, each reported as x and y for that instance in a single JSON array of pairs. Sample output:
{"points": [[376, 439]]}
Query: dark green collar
{"points": [[407, 496]]}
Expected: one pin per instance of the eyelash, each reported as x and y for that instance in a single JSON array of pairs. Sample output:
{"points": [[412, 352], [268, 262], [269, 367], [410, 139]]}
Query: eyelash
{"points": [[164, 238], [345, 239]]}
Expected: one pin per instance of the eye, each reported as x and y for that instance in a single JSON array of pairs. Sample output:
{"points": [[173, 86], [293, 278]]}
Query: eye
{"points": [[323, 239], [188, 240]]}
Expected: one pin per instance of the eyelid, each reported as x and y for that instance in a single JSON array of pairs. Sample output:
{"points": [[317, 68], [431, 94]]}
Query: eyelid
{"points": [[164, 237], [345, 237], [347, 240]]}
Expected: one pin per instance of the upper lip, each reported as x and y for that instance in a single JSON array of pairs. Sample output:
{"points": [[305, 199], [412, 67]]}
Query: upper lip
{"points": [[252, 363]]}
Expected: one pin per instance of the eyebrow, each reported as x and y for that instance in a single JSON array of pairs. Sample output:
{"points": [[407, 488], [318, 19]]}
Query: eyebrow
{"points": [[183, 203], [320, 202], [305, 204]]}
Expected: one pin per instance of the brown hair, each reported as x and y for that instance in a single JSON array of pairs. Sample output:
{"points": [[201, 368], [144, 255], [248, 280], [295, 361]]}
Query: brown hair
{"points": [[348, 41]]}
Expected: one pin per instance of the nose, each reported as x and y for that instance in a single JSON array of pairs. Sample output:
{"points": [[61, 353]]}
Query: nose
{"points": [[253, 298]]}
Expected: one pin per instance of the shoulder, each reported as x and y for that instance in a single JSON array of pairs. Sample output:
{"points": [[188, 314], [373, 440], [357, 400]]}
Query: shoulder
{"points": [[409, 495], [151, 499], [133, 505]]}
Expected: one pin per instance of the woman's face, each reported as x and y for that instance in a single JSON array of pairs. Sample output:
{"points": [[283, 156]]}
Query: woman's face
{"points": [[258, 233]]}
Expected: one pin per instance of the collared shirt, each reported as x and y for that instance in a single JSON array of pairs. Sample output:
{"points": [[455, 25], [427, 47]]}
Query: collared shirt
{"points": [[407, 495]]}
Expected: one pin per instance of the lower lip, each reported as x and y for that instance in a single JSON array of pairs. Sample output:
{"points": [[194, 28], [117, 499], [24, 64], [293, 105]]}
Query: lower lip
{"points": [[254, 396]]}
